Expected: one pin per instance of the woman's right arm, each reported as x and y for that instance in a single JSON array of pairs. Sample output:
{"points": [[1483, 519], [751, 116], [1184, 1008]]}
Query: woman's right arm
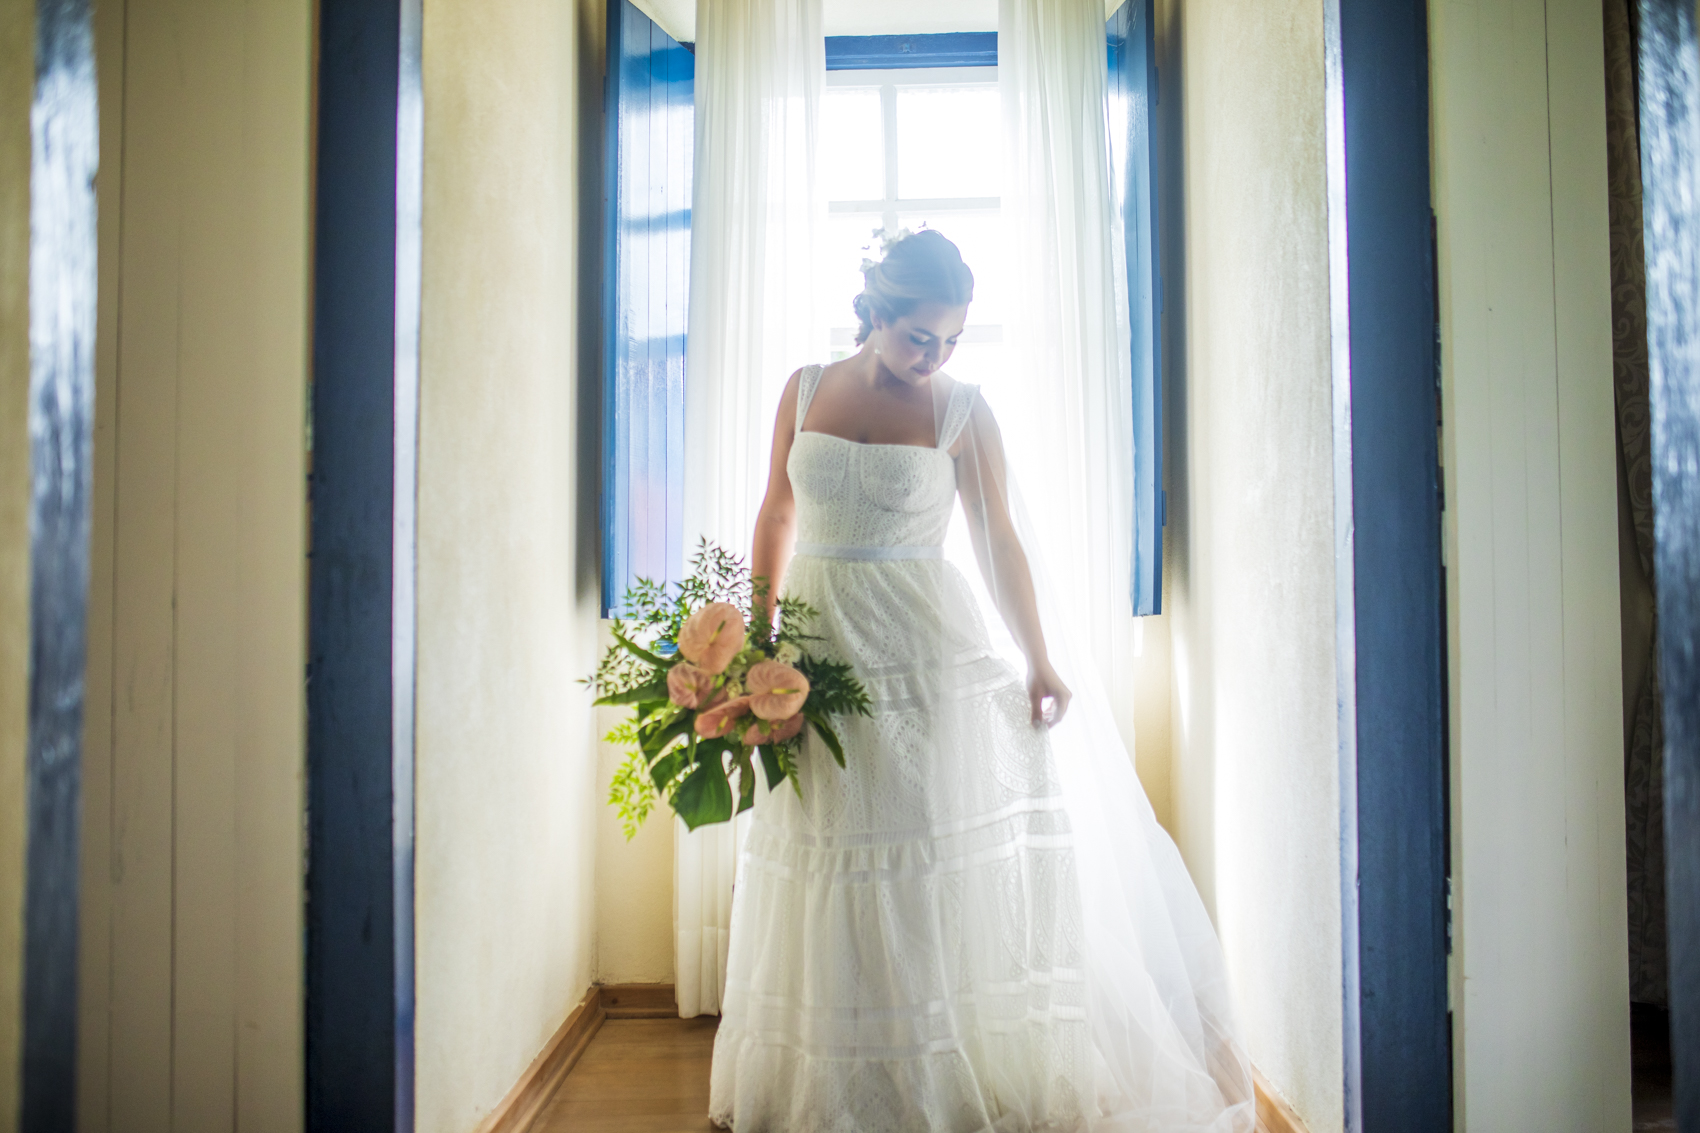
{"points": [[776, 522]]}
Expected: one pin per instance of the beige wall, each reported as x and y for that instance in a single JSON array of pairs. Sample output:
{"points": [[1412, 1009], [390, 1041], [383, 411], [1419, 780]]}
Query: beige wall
{"points": [[507, 778], [192, 857], [1149, 708], [634, 885], [17, 78], [1251, 525], [1540, 982]]}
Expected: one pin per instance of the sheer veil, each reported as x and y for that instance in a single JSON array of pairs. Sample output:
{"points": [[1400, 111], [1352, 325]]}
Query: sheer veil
{"points": [[1157, 999]]}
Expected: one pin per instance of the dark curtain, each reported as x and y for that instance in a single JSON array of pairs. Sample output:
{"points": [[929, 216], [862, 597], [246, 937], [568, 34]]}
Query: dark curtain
{"points": [[1644, 724]]}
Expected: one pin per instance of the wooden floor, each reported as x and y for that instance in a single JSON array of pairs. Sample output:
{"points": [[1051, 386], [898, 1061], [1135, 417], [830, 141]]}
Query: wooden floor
{"points": [[637, 1076], [642, 1076]]}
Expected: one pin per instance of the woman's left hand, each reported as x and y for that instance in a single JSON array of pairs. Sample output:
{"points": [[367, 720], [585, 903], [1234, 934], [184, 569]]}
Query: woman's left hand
{"points": [[1044, 684]]}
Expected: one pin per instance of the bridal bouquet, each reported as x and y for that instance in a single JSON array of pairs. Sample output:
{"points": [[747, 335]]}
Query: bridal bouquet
{"points": [[715, 690]]}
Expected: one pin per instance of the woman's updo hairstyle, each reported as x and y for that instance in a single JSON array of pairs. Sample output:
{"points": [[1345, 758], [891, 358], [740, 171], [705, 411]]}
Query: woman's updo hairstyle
{"points": [[920, 267]]}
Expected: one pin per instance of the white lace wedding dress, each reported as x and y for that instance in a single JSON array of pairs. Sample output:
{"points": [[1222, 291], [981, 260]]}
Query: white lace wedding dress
{"points": [[910, 949]]}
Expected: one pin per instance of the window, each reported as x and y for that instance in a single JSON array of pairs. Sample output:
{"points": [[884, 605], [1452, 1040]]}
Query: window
{"points": [[907, 147], [883, 164], [646, 280], [1133, 163]]}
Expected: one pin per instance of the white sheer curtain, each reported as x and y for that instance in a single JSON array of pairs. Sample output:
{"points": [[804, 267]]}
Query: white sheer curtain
{"points": [[1069, 421], [760, 76]]}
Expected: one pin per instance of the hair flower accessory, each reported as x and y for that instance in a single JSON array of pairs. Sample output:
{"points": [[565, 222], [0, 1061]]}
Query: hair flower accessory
{"points": [[887, 239]]}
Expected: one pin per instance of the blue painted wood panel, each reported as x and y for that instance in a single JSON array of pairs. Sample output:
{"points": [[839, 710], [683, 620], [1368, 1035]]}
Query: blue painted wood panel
{"points": [[360, 632], [64, 152], [1133, 160], [892, 52], [647, 249], [1403, 1055], [1670, 167]]}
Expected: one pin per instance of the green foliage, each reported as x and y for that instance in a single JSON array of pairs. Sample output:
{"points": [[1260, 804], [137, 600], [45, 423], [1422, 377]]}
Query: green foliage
{"points": [[834, 689], [716, 576], [827, 735], [631, 794]]}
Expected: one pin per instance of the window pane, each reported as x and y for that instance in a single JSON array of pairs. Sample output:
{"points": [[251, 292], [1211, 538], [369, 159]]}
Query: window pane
{"points": [[980, 238], [852, 155], [948, 141]]}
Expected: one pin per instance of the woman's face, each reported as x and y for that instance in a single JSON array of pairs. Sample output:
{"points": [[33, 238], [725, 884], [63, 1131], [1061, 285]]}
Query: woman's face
{"points": [[916, 345]]}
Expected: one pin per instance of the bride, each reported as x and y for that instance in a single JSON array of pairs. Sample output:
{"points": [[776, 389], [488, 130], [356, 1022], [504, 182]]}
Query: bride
{"points": [[978, 923]]}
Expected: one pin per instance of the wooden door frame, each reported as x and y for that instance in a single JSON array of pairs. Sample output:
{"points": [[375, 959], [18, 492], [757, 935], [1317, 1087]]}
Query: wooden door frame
{"points": [[65, 152], [1669, 93], [1391, 650], [361, 605], [1391, 630]]}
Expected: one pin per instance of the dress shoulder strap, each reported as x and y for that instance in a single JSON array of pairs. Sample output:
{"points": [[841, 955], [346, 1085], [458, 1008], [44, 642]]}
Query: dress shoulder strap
{"points": [[957, 412], [807, 381]]}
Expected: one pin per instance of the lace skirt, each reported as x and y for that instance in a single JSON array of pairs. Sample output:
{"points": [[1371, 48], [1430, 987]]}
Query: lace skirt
{"points": [[906, 942]]}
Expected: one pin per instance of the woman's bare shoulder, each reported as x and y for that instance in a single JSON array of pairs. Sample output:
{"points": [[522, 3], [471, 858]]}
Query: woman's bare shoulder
{"points": [[793, 387]]}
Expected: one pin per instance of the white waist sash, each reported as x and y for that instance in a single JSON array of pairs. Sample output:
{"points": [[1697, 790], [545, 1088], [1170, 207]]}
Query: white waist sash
{"points": [[868, 554]]}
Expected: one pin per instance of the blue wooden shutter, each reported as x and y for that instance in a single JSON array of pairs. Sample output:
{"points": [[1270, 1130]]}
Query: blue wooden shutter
{"points": [[646, 281], [1133, 154]]}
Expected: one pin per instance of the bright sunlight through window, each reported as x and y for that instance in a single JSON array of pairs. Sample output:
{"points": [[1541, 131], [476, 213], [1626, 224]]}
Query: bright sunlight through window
{"points": [[906, 148]]}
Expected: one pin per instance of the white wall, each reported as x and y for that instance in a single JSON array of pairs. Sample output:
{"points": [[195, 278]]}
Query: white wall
{"points": [[507, 792], [1251, 581], [1540, 983], [192, 776]]}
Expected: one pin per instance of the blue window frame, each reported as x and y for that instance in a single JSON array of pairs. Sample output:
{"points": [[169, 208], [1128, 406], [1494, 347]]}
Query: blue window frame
{"points": [[1133, 160], [891, 52], [650, 124], [646, 282]]}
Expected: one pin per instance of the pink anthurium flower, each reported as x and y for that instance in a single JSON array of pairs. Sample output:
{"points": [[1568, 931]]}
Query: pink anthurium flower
{"points": [[712, 636], [688, 686], [782, 730], [718, 720], [777, 691]]}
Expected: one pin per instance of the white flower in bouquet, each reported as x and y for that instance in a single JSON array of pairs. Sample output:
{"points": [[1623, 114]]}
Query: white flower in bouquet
{"points": [[788, 653]]}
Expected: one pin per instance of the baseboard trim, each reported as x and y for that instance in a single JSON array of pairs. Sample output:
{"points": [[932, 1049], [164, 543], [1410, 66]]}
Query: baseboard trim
{"points": [[639, 1001], [543, 1077], [517, 1111], [1274, 1115]]}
